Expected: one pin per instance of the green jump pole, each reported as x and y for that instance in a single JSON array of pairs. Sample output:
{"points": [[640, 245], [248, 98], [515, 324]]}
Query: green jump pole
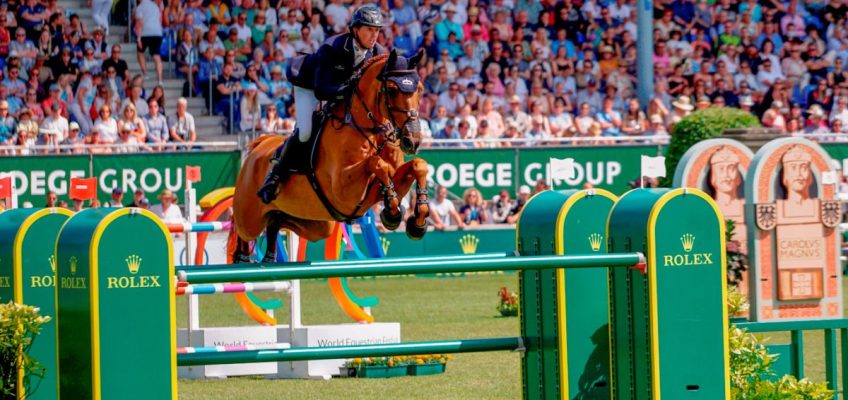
{"points": [[351, 263], [216, 274], [334, 352]]}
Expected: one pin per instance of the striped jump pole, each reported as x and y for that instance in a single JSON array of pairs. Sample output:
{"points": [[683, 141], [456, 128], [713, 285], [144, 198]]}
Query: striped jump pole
{"points": [[246, 287], [216, 226], [230, 349]]}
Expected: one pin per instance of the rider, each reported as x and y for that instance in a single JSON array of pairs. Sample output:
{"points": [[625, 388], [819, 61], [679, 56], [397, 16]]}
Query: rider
{"points": [[328, 73]]}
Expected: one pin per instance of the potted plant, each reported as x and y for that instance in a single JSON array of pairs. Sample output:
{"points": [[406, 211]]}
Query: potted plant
{"points": [[429, 364], [374, 367], [508, 306]]}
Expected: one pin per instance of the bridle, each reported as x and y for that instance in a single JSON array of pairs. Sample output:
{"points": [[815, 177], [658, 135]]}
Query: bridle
{"points": [[390, 131]]}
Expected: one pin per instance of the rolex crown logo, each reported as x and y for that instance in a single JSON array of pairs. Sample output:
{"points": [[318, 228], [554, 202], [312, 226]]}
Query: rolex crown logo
{"points": [[73, 264], [595, 241], [133, 263], [688, 241], [469, 244], [52, 261], [386, 243]]}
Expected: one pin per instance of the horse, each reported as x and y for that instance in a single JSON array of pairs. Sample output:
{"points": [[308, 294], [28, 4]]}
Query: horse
{"points": [[360, 161]]}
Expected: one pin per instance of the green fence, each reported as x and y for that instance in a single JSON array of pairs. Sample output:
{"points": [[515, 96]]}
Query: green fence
{"points": [[490, 170]]}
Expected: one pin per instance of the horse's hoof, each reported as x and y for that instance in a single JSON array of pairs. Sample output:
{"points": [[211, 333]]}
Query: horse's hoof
{"points": [[413, 231], [242, 259], [391, 222]]}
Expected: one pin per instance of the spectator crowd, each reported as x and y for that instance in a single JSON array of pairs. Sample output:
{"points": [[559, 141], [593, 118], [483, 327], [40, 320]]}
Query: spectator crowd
{"points": [[495, 69]]}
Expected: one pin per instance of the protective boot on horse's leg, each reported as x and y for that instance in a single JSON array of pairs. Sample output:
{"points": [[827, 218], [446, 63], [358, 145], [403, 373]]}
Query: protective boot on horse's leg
{"points": [[307, 121]]}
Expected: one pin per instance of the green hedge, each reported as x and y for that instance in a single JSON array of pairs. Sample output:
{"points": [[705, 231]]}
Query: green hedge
{"points": [[701, 125]]}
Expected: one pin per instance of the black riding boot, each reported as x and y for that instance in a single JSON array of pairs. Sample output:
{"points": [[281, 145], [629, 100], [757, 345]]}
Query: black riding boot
{"points": [[277, 173]]}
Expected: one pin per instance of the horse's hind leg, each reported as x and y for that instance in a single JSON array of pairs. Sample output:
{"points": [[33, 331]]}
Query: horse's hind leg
{"points": [[242, 252], [392, 212], [272, 231]]}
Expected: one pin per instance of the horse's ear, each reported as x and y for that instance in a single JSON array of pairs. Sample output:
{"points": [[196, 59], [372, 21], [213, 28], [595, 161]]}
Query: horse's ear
{"points": [[413, 62], [392, 60]]}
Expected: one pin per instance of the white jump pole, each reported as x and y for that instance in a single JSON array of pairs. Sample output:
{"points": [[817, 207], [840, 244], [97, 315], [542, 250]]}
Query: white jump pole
{"points": [[191, 216]]}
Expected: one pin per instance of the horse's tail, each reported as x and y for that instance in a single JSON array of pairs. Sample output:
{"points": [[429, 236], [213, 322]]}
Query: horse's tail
{"points": [[252, 145]]}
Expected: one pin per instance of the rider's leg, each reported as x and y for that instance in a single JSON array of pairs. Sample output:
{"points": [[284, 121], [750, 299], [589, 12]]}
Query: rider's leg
{"points": [[305, 103]]}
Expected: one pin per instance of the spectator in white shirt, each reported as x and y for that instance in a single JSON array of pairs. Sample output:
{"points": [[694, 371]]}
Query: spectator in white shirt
{"points": [[167, 209]]}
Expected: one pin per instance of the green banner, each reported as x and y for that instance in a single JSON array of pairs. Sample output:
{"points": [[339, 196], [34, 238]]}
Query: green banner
{"points": [[839, 152], [37, 175], [159, 171], [491, 170]]}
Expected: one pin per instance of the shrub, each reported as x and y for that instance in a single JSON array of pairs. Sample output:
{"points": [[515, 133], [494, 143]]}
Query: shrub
{"points": [[19, 325], [751, 375], [701, 125]]}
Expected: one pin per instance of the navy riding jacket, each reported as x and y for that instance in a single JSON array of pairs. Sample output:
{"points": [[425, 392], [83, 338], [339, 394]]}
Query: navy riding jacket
{"points": [[328, 70]]}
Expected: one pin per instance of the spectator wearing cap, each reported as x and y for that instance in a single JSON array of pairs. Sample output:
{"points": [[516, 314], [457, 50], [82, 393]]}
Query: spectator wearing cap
{"points": [[516, 115], [156, 126], [657, 126], [54, 128], [279, 88], [117, 197], [250, 110], [523, 196], [73, 144], [682, 107], [98, 45], [138, 197], [237, 46], [816, 121], [63, 63], [127, 141]]}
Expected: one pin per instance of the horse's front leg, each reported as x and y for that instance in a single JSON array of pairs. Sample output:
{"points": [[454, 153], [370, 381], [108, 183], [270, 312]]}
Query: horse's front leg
{"points": [[272, 230], [415, 171], [392, 212]]}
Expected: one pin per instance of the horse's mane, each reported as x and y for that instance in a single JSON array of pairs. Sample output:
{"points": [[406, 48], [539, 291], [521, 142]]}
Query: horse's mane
{"points": [[257, 141], [373, 60]]}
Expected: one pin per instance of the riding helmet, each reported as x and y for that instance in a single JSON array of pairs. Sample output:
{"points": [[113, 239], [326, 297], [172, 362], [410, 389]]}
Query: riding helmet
{"points": [[368, 15]]}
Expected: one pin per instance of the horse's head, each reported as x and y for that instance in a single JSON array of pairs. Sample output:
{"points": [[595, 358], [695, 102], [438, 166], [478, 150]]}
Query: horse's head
{"points": [[402, 89]]}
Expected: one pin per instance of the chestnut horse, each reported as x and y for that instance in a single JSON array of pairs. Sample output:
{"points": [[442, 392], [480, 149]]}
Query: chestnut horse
{"points": [[360, 161]]}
